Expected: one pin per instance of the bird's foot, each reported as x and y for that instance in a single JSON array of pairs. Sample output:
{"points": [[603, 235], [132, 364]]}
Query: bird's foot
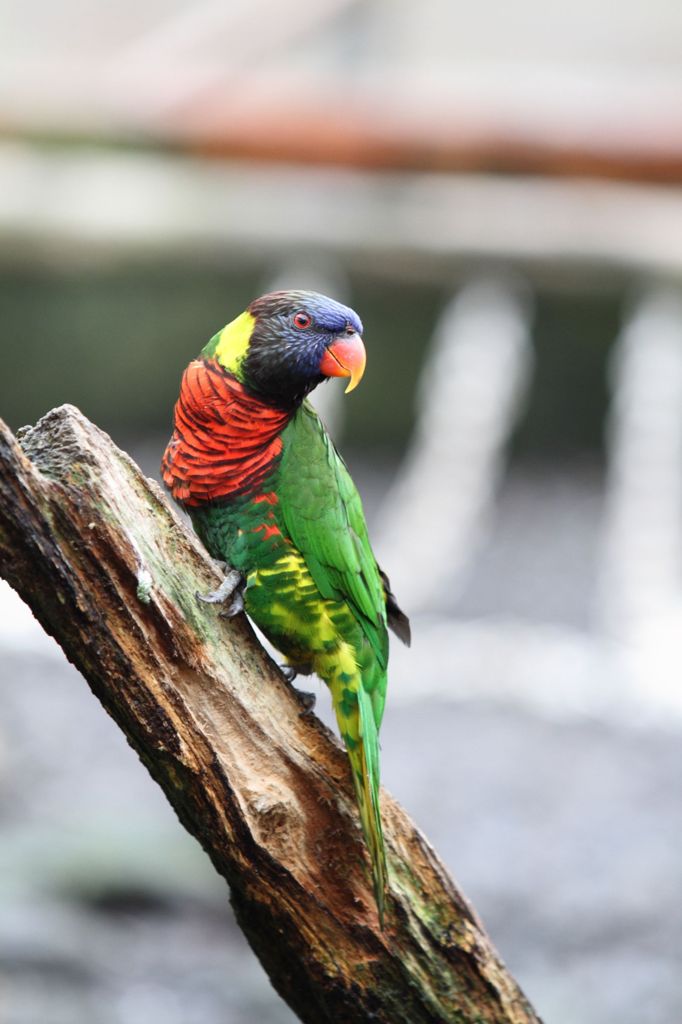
{"points": [[235, 606], [306, 699], [231, 589]]}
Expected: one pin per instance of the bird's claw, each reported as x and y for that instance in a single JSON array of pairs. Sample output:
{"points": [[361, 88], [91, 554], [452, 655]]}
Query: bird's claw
{"points": [[229, 590], [308, 700], [305, 698], [235, 606]]}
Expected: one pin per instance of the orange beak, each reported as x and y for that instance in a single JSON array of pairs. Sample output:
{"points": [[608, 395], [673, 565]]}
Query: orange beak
{"points": [[345, 357]]}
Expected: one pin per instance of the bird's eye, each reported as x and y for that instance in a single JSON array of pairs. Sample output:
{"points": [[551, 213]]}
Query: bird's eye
{"points": [[302, 320]]}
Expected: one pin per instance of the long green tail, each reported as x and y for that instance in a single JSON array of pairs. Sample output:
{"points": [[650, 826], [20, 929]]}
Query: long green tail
{"points": [[355, 716]]}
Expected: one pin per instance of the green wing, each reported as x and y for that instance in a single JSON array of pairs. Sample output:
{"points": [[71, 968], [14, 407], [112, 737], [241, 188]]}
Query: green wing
{"points": [[322, 514]]}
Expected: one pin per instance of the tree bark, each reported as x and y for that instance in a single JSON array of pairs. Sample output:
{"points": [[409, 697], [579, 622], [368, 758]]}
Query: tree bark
{"points": [[110, 571]]}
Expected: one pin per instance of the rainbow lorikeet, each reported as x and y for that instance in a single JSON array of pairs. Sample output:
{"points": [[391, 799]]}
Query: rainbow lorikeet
{"points": [[268, 494]]}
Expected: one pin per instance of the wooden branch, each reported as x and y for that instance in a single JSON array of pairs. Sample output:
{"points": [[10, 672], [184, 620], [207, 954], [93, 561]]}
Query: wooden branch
{"points": [[111, 573]]}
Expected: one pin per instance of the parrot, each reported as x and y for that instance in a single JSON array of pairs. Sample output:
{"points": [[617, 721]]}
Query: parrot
{"points": [[268, 494]]}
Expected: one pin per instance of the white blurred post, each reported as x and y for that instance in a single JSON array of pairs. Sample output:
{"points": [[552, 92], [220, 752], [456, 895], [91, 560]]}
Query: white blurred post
{"points": [[640, 578], [468, 397]]}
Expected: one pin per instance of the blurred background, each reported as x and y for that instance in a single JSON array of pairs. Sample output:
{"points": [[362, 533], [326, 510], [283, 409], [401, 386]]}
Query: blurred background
{"points": [[497, 189]]}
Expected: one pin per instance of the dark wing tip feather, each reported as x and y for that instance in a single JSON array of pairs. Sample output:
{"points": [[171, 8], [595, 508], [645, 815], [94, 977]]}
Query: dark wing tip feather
{"points": [[397, 619], [399, 623]]}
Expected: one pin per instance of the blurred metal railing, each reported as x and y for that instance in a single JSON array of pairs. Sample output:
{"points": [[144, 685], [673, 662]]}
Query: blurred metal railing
{"points": [[400, 225]]}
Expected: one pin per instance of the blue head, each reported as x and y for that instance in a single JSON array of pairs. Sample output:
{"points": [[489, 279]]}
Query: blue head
{"points": [[299, 339]]}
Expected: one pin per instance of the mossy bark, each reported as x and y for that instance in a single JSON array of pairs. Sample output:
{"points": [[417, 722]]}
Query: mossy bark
{"points": [[110, 571]]}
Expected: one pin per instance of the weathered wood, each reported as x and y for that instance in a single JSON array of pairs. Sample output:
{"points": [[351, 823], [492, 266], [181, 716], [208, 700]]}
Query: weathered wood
{"points": [[111, 573]]}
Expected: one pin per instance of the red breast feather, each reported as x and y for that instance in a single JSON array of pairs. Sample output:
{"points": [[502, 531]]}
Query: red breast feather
{"points": [[225, 441]]}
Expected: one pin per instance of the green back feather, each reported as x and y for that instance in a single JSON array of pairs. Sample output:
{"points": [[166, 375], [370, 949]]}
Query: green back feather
{"points": [[323, 515]]}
